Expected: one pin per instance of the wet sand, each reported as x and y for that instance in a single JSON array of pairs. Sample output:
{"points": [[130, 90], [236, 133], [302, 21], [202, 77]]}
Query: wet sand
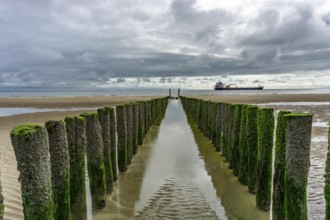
{"points": [[317, 104], [9, 173]]}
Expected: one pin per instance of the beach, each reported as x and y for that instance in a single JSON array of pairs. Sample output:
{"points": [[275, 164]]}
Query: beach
{"points": [[9, 173], [318, 104]]}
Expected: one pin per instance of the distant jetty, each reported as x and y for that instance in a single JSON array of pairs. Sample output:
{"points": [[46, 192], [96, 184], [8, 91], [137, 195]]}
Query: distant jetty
{"points": [[220, 86]]}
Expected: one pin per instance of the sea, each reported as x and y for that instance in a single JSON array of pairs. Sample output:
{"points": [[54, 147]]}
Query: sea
{"points": [[149, 92]]}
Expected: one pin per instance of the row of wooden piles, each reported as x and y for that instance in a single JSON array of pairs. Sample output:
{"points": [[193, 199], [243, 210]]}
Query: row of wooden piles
{"points": [[51, 158], [245, 136]]}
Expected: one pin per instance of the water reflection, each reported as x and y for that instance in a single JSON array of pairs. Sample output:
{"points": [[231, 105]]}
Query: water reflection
{"points": [[177, 173], [127, 189]]}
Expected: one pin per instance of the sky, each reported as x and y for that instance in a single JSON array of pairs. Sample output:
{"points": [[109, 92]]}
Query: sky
{"points": [[164, 43]]}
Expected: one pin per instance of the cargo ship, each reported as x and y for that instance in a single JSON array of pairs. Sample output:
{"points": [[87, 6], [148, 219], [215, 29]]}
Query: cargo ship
{"points": [[220, 86]]}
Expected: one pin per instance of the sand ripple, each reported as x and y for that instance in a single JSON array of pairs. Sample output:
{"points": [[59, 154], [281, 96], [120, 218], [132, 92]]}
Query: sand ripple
{"points": [[177, 199]]}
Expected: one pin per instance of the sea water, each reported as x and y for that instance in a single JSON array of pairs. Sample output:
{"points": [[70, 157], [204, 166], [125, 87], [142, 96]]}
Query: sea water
{"points": [[150, 92]]}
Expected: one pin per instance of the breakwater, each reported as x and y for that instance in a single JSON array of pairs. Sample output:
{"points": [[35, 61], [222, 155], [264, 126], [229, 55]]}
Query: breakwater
{"points": [[51, 157], [236, 128]]}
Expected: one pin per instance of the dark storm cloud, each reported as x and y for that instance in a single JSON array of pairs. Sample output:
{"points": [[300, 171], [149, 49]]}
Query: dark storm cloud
{"points": [[78, 43]]}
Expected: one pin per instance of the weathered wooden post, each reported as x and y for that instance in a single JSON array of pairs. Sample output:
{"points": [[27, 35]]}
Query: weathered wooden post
{"points": [[179, 92], [201, 125], [136, 122], [30, 143], [76, 135], [224, 125], [95, 160], [129, 126], [278, 208], [252, 145], [236, 130], [214, 123], [60, 168], [113, 144], [141, 131], [122, 137], [218, 133], [104, 120], [208, 119], [169, 93], [297, 163], [327, 181], [243, 168], [230, 133], [265, 122]]}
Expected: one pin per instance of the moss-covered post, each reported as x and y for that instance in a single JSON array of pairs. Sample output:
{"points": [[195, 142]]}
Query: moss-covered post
{"points": [[252, 146], [147, 112], [235, 137], [146, 122], [265, 123], [231, 109], [122, 137], [141, 123], [30, 143], [129, 125], [208, 120], [113, 144], [95, 160], [327, 181], [214, 123], [76, 135], [136, 119], [278, 208], [218, 130], [60, 168], [243, 168], [224, 130], [104, 119], [297, 163]]}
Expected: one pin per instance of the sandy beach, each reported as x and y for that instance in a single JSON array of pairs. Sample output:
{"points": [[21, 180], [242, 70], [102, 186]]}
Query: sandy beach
{"points": [[9, 173]]}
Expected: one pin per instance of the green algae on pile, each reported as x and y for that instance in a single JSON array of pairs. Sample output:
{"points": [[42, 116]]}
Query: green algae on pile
{"points": [[104, 120], [31, 148], [129, 129], [243, 171], [113, 142], [278, 209], [95, 160], [60, 167], [252, 145], [297, 163], [122, 137], [265, 121], [76, 135], [235, 138]]}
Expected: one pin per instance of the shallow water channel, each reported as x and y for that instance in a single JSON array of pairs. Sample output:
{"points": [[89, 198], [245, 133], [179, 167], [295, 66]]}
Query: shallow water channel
{"points": [[177, 174]]}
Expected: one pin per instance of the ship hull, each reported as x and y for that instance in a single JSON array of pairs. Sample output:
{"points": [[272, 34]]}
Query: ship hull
{"points": [[241, 88]]}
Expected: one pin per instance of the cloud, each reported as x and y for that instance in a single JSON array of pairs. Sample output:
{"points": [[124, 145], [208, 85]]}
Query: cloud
{"points": [[121, 80], [46, 54], [83, 44], [87, 57]]}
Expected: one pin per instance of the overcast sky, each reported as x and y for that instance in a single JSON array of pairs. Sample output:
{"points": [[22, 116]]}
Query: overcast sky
{"points": [[99, 43]]}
